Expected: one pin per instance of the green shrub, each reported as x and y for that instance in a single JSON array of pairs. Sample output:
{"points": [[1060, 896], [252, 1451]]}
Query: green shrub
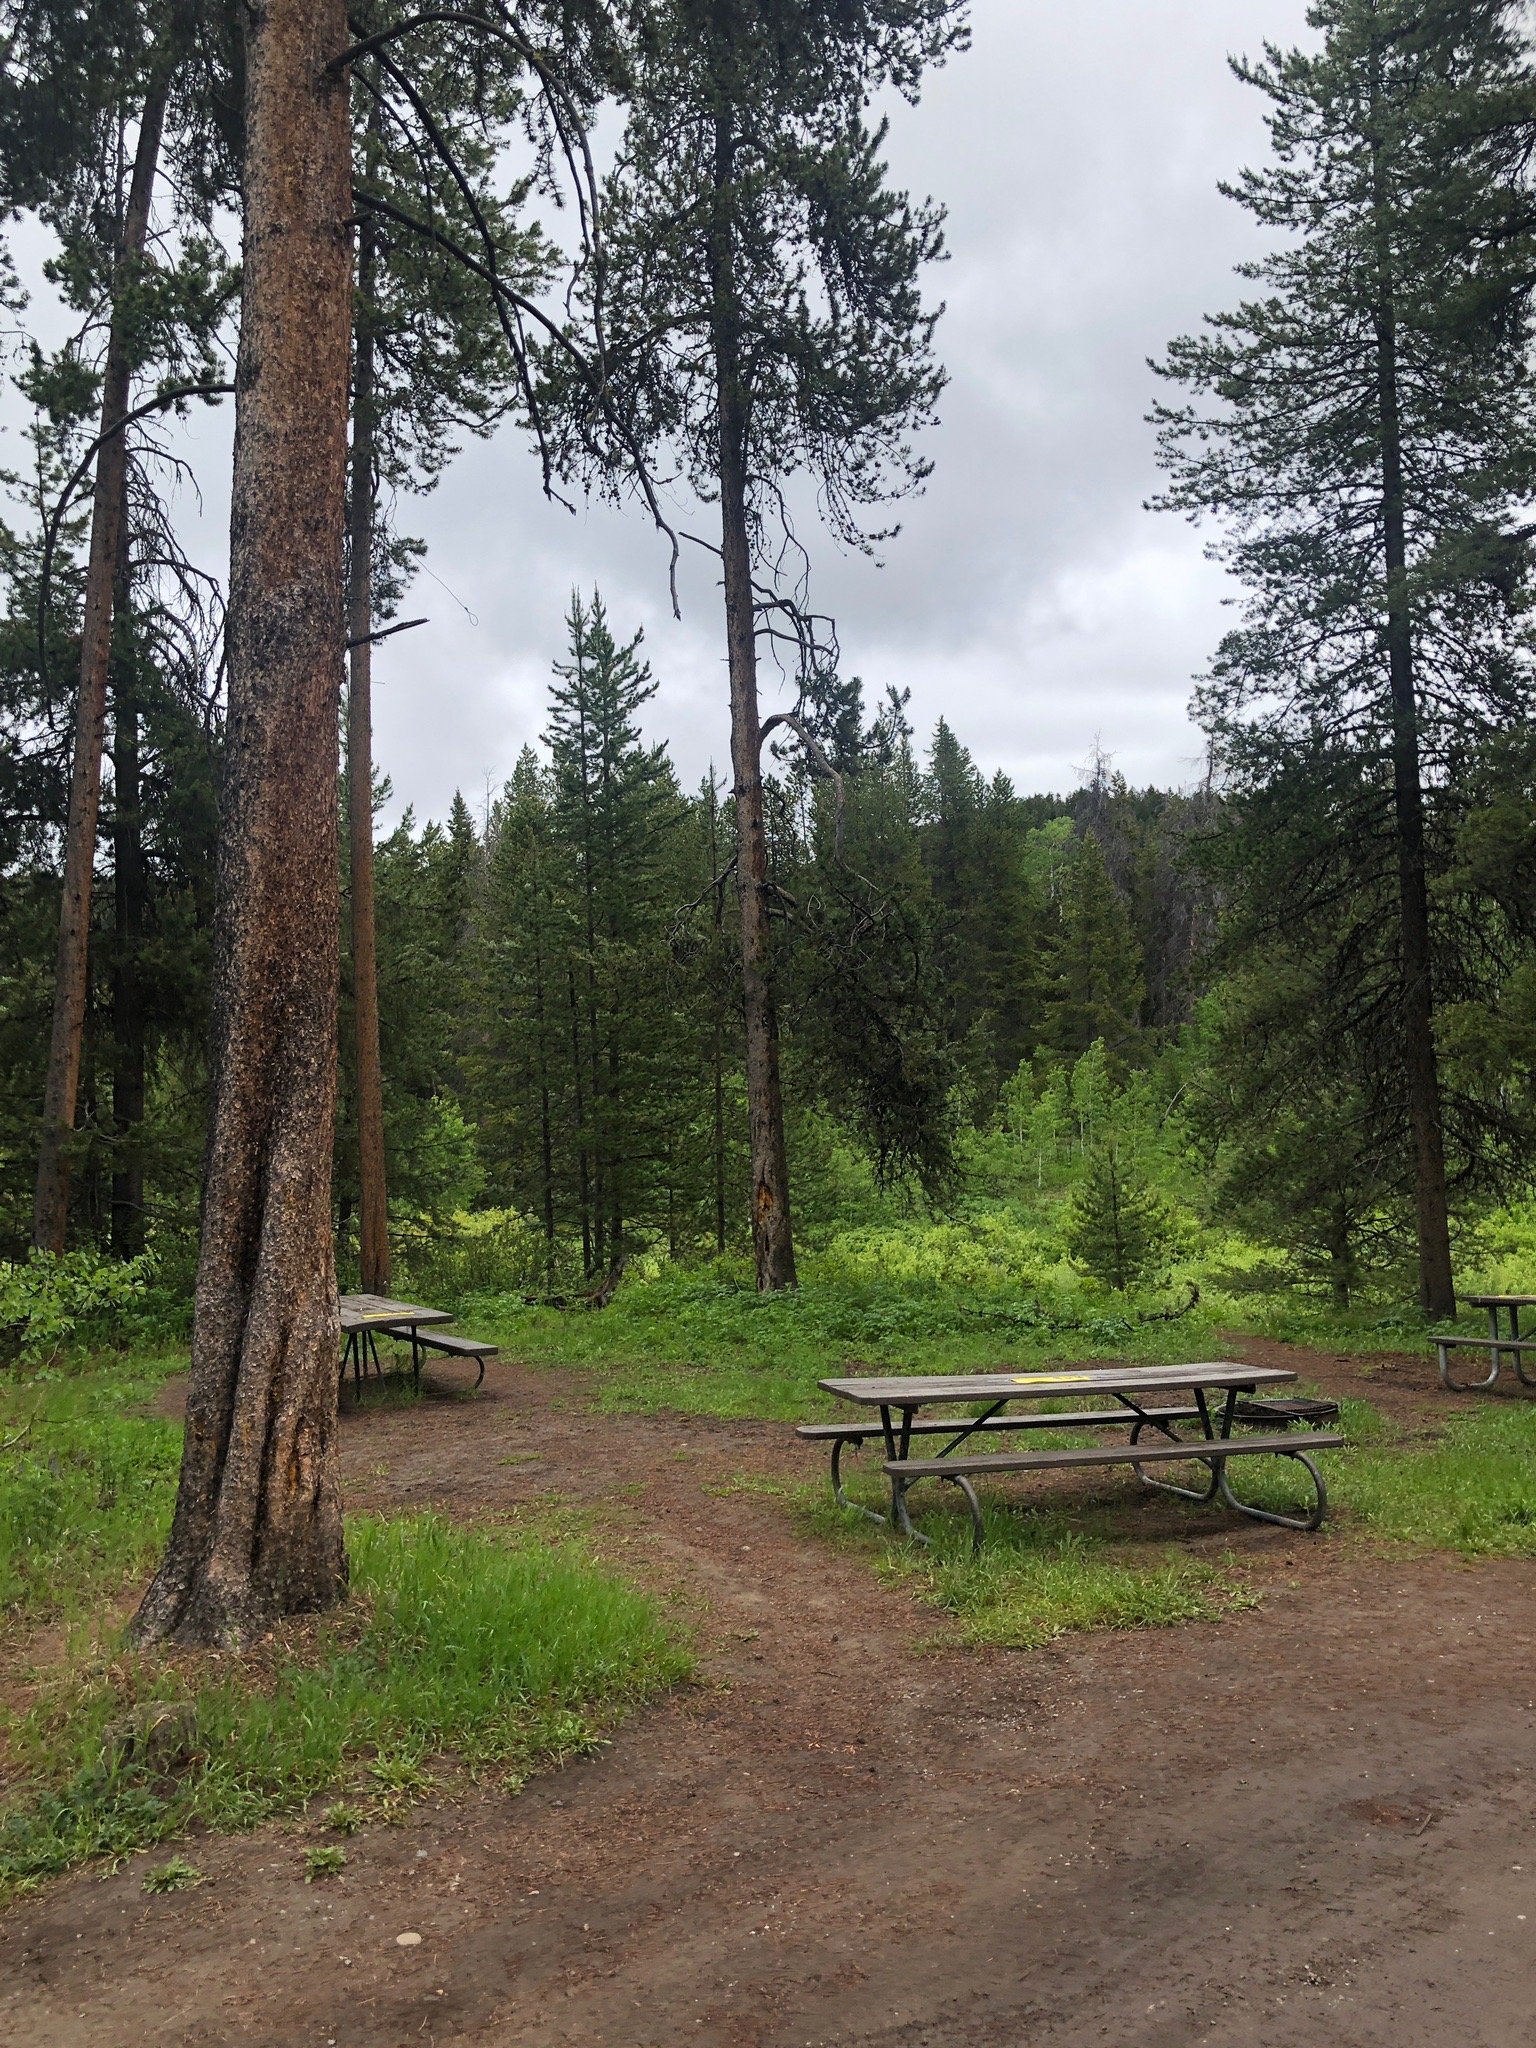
{"points": [[48, 1303]]}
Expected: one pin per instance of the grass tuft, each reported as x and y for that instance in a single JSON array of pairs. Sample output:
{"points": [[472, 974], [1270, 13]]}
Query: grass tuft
{"points": [[324, 1859]]}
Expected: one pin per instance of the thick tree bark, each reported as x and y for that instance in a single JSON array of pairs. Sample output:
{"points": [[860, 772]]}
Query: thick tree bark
{"points": [[1437, 1289], [772, 1237], [257, 1531], [373, 1199], [50, 1217], [129, 1051]]}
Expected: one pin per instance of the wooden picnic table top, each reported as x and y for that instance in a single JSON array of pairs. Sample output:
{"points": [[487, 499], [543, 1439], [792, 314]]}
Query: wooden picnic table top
{"points": [[1499, 1300], [367, 1311], [1023, 1386]]}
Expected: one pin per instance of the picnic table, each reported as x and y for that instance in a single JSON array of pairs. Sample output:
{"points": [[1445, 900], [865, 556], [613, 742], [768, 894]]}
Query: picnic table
{"points": [[365, 1316], [1497, 1343], [1162, 1399]]}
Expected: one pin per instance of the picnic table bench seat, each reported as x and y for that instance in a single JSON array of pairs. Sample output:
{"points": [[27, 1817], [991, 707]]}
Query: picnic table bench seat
{"points": [[850, 1435], [1213, 1451], [1447, 1341], [450, 1345]]}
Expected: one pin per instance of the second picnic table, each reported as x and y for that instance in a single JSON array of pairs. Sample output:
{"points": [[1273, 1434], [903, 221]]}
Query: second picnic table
{"points": [[900, 1403], [362, 1315], [1497, 1345]]}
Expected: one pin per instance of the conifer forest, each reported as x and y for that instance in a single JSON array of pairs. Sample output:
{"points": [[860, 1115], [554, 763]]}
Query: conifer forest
{"points": [[691, 1059]]}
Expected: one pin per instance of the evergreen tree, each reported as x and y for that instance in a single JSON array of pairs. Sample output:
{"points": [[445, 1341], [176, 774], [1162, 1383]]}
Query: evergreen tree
{"points": [[83, 121], [765, 319], [518, 1069], [1364, 428], [1118, 1228], [615, 805], [973, 844], [1286, 1115], [1097, 987]]}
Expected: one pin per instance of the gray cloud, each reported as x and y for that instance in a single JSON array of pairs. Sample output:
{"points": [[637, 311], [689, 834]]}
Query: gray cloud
{"points": [[1029, 598]]}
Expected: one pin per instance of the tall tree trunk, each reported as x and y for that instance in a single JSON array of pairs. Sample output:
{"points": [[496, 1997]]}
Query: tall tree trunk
{"points": [[583, 1170], [546, 1120], [257, 1531], [373, 1202], [129, 1059], [50, 1216], [772, 1238], [1437, 1288], [717, 1045]]}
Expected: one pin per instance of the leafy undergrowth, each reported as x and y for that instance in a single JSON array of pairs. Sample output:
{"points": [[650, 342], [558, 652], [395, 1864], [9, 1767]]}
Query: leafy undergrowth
{"points": [[702, 1341], [493, 1653]]}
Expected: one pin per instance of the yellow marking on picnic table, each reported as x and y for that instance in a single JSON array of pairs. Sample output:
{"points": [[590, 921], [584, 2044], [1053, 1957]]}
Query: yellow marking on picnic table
{"points": [[1052, 1379]]}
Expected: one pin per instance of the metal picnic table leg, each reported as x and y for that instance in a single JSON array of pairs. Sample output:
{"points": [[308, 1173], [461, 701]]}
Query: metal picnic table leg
{"points": [[1311, 1520], [839, 1491], [1514, 1330], [897, 1448], [1208, 1435]]}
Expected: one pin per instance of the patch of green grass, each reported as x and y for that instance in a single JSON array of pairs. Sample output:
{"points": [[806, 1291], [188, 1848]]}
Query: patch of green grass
{"points": [[87, 1481], [324, 1859], [498, 1652], [1041, 1573], [1472, 1491], [345, 1817]]}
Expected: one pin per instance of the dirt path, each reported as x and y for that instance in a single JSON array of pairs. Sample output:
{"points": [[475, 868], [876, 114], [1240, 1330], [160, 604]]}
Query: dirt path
{"points": [[1309, 1825]]}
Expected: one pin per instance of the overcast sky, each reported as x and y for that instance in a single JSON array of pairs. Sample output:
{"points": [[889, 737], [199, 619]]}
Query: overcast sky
{"points": [[1029, 598]]}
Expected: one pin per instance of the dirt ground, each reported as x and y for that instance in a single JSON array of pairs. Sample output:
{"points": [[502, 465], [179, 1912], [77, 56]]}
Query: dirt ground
{"points": [[1307, 1824]]}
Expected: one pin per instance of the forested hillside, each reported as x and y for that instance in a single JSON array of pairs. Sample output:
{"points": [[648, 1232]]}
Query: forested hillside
{"points": [[990, 999]]}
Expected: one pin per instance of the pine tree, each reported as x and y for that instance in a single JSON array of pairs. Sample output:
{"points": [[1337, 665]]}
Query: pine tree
{"points": [[1286, 1114], [257, 1528], [615, 804], [1364, 428], [83, 123], [1097, 988], [1118, 1228], [519, 1069], [750, 208]]}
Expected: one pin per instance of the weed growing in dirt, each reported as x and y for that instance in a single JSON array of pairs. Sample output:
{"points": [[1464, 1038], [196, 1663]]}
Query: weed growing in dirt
{"points": [[500, 1653], [176, 1876], [324, 1859]]}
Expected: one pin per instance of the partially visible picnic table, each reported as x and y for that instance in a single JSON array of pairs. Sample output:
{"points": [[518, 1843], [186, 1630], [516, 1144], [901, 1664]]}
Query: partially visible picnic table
{"points": [[364, 1315], [1498, 1344], [1213, 1396]]}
